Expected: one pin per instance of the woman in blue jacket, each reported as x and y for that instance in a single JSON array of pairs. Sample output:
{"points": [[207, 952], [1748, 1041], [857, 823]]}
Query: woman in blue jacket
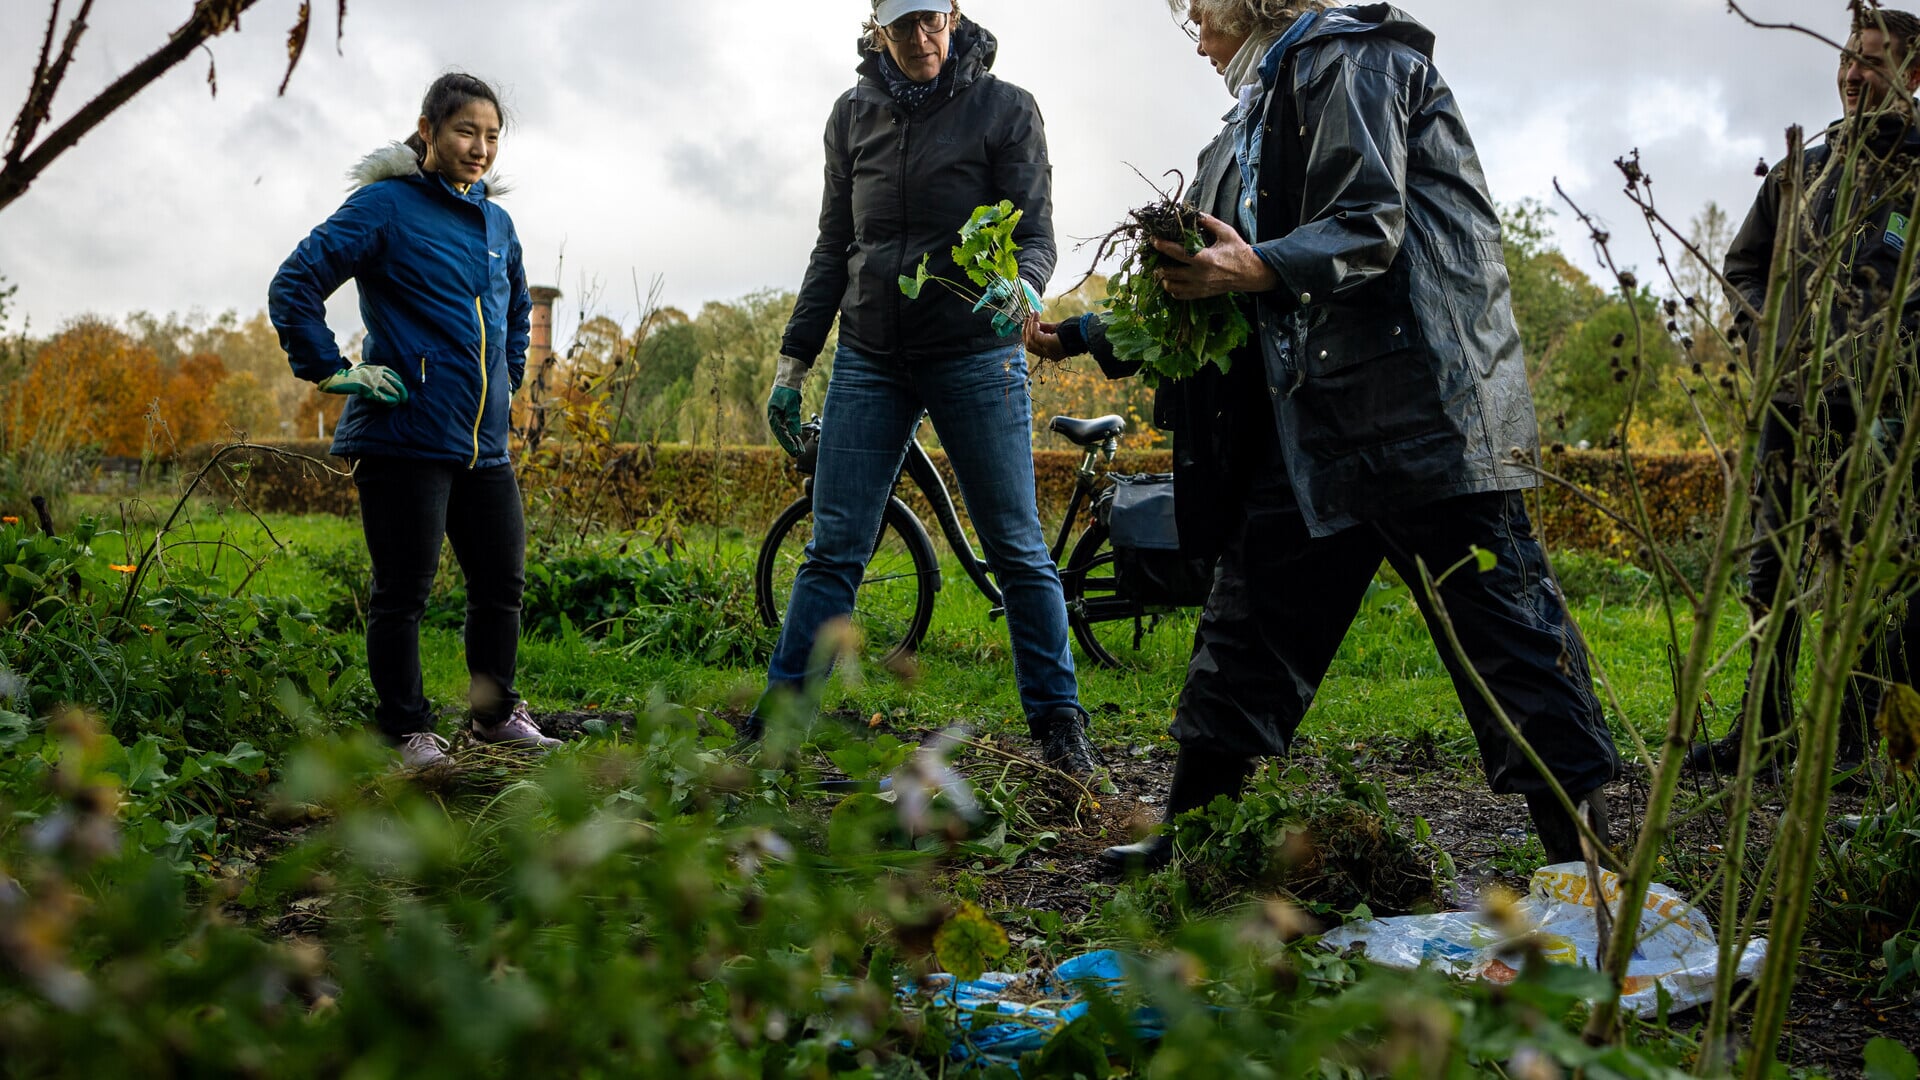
{"points": [[444, 298]]}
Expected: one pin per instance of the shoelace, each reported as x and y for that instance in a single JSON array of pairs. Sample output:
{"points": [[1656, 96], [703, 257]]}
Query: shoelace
{"points": [[520, 727], [431, 740]]}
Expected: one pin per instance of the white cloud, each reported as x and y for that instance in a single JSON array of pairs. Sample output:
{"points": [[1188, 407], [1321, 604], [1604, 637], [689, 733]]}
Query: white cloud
{"points": [[180, 201]]}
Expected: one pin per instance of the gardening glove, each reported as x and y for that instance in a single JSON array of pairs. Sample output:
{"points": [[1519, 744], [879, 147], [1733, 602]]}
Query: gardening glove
{"points": [[783, 404], [370, 381], [998, 294]]}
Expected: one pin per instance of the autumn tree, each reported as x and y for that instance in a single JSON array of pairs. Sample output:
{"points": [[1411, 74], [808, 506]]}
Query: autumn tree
{"points": [[1551, 296], [247, 408], [188, 407], [1077, 387], [90, 387]]}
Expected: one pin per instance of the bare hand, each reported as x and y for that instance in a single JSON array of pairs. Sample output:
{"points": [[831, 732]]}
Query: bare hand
{"points": [[1043, 339], [1229, 265]]}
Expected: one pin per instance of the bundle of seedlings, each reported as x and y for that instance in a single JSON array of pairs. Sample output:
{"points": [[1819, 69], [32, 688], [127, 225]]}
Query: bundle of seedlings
{"points": [[987, 254], [1168, 338]]}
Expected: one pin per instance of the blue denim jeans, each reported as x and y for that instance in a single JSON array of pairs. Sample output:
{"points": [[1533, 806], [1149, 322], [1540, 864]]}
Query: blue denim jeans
{"points": [[979, 406]]}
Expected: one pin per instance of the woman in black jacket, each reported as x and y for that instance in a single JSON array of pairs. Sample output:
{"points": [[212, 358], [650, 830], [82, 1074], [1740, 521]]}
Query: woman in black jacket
{"points": [[927, 135]]}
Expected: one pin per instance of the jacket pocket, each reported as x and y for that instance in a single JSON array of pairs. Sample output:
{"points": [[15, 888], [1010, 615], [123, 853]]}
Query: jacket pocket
{"points": [[443, 396], [1366, 381]]}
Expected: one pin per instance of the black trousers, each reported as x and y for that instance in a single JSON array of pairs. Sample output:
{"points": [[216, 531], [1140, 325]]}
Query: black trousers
{"points": [[407, 508], [1892, 650], [1282, 602]]}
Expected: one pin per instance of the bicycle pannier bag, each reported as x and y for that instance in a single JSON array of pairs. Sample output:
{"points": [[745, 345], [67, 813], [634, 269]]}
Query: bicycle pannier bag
{"points": [[1147, 563]]}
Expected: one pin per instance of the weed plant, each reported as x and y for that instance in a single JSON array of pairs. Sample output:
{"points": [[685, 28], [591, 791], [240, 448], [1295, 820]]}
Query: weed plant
{"points": [[650, 906]]}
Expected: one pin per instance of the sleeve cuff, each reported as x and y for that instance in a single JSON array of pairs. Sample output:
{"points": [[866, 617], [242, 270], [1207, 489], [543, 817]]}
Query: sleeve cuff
{"points": [[1284, 295], [1073, 336]]}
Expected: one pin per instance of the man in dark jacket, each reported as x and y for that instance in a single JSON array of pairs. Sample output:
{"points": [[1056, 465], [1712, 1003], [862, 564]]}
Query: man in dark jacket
{"points": [[1878, 145], [1393, 420]]}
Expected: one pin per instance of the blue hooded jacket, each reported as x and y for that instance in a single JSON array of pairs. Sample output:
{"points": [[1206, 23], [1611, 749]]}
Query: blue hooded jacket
{"points": [[443, 293]]}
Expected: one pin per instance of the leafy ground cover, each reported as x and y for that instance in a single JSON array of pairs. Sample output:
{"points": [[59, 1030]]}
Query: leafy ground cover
{"points": [[246, 887]]}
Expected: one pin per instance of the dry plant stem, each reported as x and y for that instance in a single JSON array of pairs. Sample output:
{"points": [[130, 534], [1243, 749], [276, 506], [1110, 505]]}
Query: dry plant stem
{"points": [[1021, 759], [1734, 6], [1714, 1041], [1841, 626], [140, 570], [1431, 585], [21, 165], [1603, 1021]]}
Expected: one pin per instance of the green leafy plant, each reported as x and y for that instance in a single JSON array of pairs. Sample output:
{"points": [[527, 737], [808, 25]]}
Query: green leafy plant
{"points": [[1333, 852], [1170, 339], [987, 255]]}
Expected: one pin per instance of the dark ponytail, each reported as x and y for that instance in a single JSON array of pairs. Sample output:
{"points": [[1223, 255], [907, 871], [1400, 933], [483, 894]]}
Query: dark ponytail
{"points": [[448, 95]]}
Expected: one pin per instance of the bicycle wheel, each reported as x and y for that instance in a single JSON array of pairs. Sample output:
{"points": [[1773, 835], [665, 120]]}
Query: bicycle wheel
{"points": [[1112, 629], [894, 604]]}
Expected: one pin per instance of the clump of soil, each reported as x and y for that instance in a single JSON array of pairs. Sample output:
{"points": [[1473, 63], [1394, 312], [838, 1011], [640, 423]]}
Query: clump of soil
{"points": [[1348, 854], [1334, 850]]}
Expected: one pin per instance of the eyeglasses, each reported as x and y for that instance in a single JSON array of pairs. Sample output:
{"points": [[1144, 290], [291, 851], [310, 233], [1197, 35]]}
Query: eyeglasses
{"points": [[1187, 28], [907, 27]]}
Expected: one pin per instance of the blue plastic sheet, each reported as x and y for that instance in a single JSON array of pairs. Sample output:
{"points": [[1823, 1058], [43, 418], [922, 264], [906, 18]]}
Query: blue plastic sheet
{"points": [[1047, 1001]]}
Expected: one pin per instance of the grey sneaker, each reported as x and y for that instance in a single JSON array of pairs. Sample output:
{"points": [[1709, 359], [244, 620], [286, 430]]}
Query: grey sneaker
{"points": [[424, 750], [516, 730]]}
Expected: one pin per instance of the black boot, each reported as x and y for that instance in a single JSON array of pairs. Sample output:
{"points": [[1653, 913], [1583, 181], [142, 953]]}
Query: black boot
{"points": [[1561, 837], [1721, 756], [1198, 777], [1062, 735]]}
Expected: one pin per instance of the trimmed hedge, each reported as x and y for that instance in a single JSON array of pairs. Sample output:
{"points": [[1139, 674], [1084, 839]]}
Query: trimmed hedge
{"points": [[744, 487]]}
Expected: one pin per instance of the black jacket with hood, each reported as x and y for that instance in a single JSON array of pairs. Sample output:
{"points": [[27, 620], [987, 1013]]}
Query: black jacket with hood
{"points": [[900, 184], [1882, 198]]}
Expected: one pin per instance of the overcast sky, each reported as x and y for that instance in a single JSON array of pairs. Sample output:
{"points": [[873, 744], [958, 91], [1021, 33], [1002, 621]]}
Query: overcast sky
{"points": [[682, 139]]}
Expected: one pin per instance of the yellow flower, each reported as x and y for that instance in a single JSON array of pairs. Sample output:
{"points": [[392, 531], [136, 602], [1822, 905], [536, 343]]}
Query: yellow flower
{"points": [[122, 569]]}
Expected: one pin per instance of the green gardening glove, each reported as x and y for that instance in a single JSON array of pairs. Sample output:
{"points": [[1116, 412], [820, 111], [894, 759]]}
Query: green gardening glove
{"points": [[378, 384], [1001, 296], [783, 404]]}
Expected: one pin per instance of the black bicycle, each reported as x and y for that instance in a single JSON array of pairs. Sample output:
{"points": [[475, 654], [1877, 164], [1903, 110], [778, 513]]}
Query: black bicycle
{"points": [[1110, 615]]}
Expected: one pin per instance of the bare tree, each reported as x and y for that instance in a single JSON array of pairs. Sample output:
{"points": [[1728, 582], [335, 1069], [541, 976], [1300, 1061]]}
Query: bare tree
{"points": [[1710, 235], [25, 159]]}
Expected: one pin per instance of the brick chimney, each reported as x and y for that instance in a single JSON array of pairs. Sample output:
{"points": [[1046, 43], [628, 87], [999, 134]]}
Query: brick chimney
{"points": [[541, 345]]}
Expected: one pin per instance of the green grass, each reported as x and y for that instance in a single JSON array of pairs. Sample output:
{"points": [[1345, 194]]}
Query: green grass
{"points": [[1387, 683]]}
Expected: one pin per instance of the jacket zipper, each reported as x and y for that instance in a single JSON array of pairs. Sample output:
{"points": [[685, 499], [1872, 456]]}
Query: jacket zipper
{"points": [[906, 140], [480, 315], [423, 371]]}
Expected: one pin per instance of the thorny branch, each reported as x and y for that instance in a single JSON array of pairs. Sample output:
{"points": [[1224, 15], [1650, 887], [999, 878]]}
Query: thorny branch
{"points": [[24, 161]]}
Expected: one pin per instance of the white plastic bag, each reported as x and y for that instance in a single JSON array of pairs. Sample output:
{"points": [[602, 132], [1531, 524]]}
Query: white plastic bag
{"points": [[1676, 950]]}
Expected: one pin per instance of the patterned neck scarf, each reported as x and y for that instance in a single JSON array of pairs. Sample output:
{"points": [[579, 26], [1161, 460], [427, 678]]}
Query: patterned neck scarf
{"points": [[911, 95]]}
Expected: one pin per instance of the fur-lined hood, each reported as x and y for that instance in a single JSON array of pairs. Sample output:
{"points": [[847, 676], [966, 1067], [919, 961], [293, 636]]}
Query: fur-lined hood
{"points": [[397, 160]]}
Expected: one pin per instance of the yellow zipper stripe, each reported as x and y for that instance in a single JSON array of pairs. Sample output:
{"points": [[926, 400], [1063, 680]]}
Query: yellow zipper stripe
{"points": [[480, 314]]}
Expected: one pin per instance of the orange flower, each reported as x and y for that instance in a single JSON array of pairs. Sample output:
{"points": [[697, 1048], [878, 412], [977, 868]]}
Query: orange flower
{"points": [[9, 520], [121, 569]]}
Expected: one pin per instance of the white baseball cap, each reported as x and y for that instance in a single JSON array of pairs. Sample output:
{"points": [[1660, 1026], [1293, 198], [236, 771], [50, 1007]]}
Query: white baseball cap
{"points": [[887, 11]]}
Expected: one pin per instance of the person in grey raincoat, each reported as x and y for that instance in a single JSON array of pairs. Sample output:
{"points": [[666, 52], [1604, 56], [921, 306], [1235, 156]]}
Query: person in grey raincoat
{"points": [[1383, 411]]}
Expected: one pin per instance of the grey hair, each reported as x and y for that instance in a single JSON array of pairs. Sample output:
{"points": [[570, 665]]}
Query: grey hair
{"points": [[876, 42], [1250, 17]]}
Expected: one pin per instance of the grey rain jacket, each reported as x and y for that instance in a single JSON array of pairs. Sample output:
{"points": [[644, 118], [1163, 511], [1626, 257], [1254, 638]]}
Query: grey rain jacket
{"points": [[900, 185], [1883, 195], [1393, 360]]}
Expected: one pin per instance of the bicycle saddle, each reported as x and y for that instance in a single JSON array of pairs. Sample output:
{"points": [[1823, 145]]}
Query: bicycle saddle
{"points": [[1087, 432]]}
